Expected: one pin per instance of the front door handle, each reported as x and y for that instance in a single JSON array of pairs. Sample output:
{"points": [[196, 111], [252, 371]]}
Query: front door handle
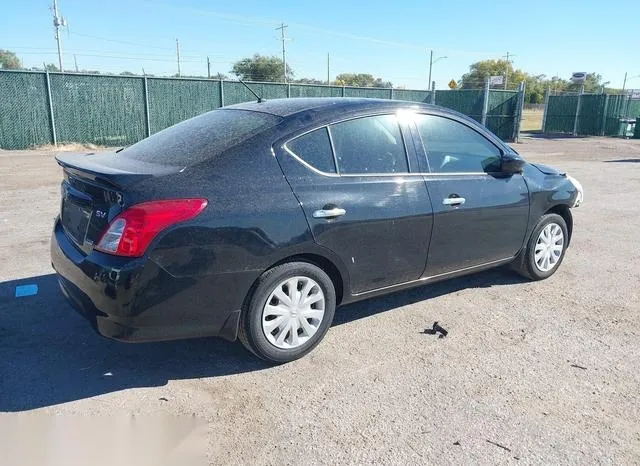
{"points": [[329, 213], [455, 201]]}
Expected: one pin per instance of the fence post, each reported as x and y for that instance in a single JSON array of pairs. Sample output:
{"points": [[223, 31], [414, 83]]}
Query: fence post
{"points": [[147, 115], [575, 121], [604, 115], [222, 93], [546, 105], [485, 103], [50, 101], [391, 93], [518, 115], [432, 96], [343, 91], [288, 90]]}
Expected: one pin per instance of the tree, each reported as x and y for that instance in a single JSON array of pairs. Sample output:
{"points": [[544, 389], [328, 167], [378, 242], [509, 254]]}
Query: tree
{"points": [[261, 68], [51, 67], [592, 84], [219, 76], [361, 80], [127, 73], [9, 60], [480, 71], [309, 81]]}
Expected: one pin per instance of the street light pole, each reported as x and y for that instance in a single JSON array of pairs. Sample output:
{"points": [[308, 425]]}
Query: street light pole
{"points": [[624, 83], [431, 63]]}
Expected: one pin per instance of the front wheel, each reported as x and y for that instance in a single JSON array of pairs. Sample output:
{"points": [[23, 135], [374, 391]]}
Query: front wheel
{"points": [[545, 249], [288, 313]]}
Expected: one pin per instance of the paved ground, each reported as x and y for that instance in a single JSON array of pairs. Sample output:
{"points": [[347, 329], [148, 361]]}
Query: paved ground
{"points": [[537, 372]]}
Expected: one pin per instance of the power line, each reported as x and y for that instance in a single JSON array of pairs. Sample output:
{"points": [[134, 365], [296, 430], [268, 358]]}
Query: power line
{"points": [[121, 41]]}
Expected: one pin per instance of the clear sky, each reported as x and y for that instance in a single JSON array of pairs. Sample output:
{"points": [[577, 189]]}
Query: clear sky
{"points": [[388, 39]]}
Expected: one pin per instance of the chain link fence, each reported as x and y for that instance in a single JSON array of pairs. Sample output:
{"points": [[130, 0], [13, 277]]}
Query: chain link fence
{"points": [[38, 108]]}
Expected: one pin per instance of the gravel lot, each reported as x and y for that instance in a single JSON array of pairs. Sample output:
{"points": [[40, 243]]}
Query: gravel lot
{"points": [[537, 372]]}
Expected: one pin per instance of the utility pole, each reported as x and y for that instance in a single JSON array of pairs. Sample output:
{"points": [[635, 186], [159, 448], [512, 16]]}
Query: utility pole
{"points": [[430, 66], [208, 68], [58, 22], [178, 55], [506, 71], [283, 38], [624, 83], [328, 74], [75, 60]]}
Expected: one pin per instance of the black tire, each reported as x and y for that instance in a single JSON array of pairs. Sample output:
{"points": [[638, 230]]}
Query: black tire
{"points": [[250, 331], [527, 266]]}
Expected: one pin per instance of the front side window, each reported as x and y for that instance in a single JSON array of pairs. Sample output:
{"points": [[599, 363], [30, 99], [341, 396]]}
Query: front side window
{"points": [[452, 147], [369, 145], [315, 149]]}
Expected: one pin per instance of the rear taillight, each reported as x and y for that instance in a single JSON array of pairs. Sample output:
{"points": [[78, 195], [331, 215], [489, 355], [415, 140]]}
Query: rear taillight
{"points": [[131, 232]]}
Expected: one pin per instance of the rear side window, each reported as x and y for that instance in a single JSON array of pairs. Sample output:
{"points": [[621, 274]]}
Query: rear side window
{"points": [[200, 138], [455, 148], [315, 149], [369, 145]]}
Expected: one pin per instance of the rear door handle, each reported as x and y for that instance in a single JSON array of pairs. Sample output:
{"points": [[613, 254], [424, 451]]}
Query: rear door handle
{"points": [[329, 213], [454, 201]]}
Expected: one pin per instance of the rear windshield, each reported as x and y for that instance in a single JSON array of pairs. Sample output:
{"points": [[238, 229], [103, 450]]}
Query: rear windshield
{"points": [[200, 138]]}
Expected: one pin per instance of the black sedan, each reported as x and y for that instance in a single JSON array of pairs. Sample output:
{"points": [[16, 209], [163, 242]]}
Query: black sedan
{"points": [[255, 221]]}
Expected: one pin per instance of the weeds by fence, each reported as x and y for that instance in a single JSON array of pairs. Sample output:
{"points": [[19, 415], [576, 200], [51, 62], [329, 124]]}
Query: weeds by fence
{"points": [[39, 108]]}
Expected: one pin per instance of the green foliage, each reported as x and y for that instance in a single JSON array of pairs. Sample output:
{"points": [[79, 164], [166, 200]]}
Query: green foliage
{"points": [[535, 85], [592, 84], [51, 67], [261, 68], [219, 76], [127, 73], [480, 71], [9, 60], [361, 80], [308, 81]]}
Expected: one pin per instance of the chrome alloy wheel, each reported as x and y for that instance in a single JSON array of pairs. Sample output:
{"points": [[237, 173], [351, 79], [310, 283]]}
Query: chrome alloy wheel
{"points": [[549, 247], [293, 312]]}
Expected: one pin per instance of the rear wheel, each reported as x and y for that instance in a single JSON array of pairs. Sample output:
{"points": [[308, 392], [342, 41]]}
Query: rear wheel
{"points": [[288, 313], [545, 249]]}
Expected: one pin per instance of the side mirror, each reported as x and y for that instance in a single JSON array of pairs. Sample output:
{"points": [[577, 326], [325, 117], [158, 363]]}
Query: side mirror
{"points": [[512, 165]]}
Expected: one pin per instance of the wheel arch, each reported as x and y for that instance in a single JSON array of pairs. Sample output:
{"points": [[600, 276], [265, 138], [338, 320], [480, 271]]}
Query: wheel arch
{"points": [[563, 211], [337, 277]]}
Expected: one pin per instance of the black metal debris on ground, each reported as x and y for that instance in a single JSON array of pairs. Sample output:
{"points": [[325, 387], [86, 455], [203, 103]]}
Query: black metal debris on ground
{"points": [[436, 330]]}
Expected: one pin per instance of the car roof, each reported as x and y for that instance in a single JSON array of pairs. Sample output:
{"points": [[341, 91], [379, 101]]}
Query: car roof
{"points": [[291, 106]]}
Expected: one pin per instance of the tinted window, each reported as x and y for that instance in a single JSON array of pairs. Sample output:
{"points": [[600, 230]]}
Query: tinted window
{"points": [[200, 138], [455, 148], [369, 145], [315, 149]]}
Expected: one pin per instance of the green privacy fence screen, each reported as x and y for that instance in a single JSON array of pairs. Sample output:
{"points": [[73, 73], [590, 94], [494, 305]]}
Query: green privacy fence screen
{"points": [[589, 114], [39, 108]]}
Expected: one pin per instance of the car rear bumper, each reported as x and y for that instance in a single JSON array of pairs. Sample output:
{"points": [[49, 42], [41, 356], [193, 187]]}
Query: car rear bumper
{"points": [[136, 300]]}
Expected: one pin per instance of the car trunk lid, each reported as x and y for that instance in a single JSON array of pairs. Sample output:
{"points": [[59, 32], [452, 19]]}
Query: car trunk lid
{"points": [[94, 191]]}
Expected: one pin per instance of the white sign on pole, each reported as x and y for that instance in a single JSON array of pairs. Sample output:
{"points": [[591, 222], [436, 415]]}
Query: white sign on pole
{"points": [[578, 77], [635, 93], [496, 80]]}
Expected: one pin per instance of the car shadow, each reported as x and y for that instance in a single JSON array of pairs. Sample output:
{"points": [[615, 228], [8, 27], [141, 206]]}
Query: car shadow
{"points": [[623, 161], [50, 355]]}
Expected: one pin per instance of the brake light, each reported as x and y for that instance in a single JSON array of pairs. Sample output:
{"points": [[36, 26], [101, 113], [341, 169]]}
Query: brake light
{"points": [[131, 232]]}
